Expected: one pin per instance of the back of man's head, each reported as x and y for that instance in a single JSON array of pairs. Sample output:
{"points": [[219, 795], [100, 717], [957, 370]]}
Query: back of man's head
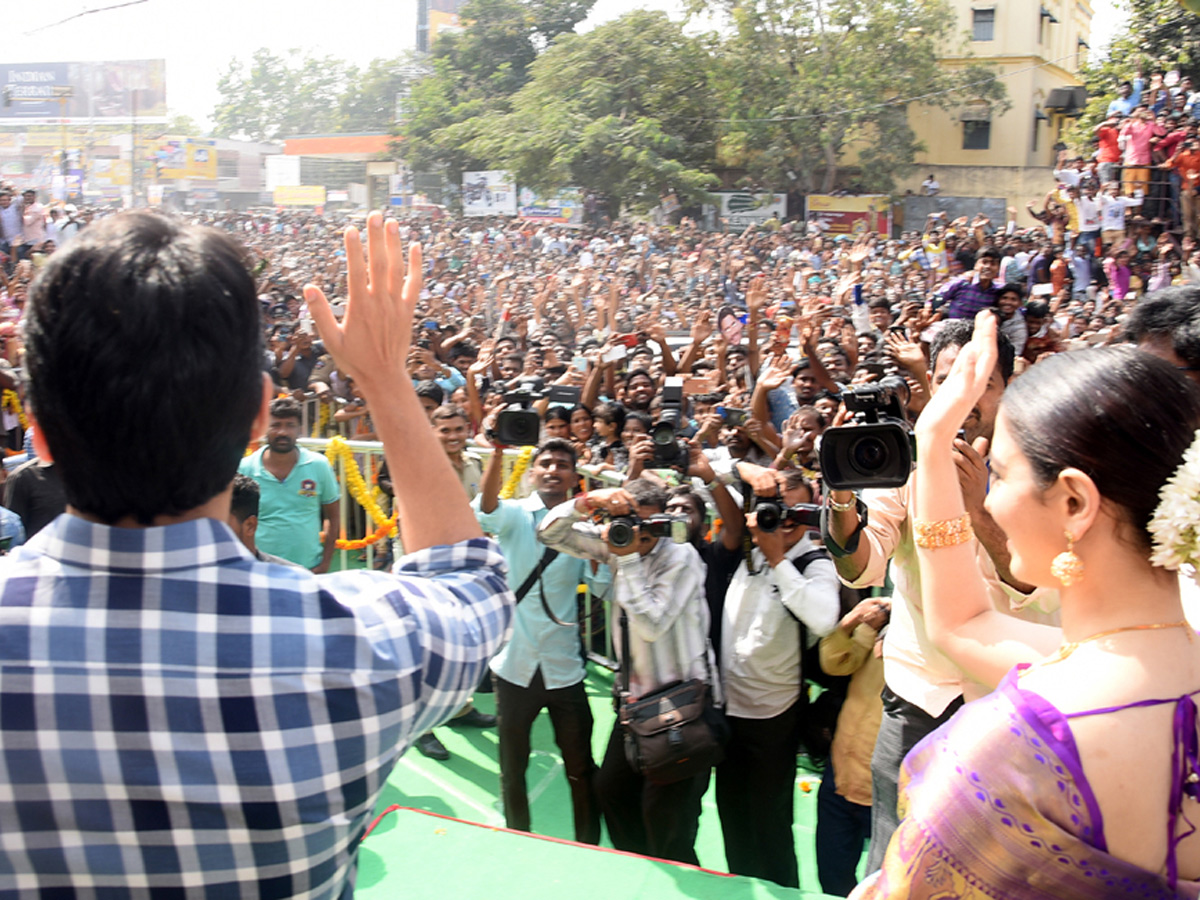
{"points": [[1171, 316], [145, 362], [245, 498]]}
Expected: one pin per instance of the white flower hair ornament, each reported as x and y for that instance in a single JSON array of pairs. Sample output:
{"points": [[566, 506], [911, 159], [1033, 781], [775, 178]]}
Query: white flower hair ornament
{"points": [[1175, 525]]}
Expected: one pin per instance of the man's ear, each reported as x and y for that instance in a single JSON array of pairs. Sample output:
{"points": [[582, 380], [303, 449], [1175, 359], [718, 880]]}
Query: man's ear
{"points": [[259, 427], [40, 447]]}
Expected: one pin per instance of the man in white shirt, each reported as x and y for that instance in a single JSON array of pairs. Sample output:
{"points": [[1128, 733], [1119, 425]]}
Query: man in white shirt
{"points": [[790, 580], [659, 586], [1087, 206], [923, 688], [11, 224], [1112, 212], [930, 186]]}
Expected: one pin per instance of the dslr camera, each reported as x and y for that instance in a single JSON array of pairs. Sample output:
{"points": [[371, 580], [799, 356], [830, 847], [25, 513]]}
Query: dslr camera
{"points": [[621, 528], [669, 449], [517, 425], [773, 513], [877, 449]]}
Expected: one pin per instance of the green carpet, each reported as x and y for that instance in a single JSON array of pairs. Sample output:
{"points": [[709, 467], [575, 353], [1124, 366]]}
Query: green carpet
{"points": [[417, 856]]}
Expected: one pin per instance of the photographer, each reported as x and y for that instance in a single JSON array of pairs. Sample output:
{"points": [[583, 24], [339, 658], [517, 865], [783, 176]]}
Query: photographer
{"points": [[541, 667], [659, 585], [787, 580], [923, 688]]}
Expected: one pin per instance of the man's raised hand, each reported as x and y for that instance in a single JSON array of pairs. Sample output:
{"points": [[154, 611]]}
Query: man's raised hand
{"points": [[371, 343]]}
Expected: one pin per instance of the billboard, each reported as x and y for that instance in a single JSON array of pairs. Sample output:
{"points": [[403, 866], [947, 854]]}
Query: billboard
{"points": [[742, 208], [187, 158], [565, 207], [84, 92], [851, 215], [299, 195], [490, 193]]}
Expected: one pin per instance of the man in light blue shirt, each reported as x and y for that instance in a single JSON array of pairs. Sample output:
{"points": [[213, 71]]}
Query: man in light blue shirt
{"points": [[1129, 95], [542, 666]]}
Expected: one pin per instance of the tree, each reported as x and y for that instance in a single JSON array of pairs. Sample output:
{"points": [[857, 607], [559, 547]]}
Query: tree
{"points": [[179, 123], [477, 71], [277, 96], [803, 82], [1160, 35], [624, 109], [368, 104]]}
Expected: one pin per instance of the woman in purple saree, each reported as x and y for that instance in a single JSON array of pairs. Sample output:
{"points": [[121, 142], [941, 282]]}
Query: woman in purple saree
{"points": [[1078, 776]]}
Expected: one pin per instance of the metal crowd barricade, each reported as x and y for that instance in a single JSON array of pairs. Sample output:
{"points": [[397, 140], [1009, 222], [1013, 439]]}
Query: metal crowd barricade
{"points": [[366, 454]]}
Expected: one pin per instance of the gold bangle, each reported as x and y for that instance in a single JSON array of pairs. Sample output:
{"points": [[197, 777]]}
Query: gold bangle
{"points": [[842, 507], [947, 533]]}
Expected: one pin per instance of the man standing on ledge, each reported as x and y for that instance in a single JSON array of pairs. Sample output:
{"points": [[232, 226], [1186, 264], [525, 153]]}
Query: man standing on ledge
{"points": [[298, 493], [176, 715]]}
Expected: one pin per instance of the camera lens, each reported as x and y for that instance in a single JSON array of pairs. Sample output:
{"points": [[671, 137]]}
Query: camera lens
{"points": [[620, 531], [869, 454], [768, 515], [663, 434]]}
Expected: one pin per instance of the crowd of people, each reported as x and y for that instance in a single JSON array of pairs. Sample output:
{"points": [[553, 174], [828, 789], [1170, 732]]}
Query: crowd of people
{"points": [[683, 383]]}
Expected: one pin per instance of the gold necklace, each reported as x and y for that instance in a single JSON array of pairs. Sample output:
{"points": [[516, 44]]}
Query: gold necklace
{"points": [[1069, 647]]}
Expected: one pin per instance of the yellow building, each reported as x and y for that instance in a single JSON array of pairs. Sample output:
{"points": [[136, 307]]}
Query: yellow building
{"points": [[1038, 47]]}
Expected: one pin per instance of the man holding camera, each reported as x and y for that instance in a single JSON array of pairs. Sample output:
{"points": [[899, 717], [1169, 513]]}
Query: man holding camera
{"points": [[923, 688], [659, 586], [542, 666], [788, 579]]}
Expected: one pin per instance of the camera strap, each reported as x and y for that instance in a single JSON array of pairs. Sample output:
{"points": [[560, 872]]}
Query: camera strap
{"points": [[831, 545], [535, 576]]}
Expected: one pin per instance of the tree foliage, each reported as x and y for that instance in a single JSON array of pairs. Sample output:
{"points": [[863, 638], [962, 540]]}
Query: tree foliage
{"points": [[801, 82], [273, 96], [1158, 35], [476, 72], [624, 109]]}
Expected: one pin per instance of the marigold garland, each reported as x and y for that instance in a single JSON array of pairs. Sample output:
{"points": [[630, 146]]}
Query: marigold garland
{"points": [[519, 467], [322, 420], [12, 402], [357, 488]]}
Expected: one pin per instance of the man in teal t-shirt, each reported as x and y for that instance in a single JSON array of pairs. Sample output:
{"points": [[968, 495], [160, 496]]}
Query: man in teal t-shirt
{"points": [[298, 493]]}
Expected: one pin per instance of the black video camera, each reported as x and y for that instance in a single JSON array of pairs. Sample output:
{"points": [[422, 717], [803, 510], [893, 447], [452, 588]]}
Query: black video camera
{"points": [[669, 449], [877, 450], [772, 514], [621, 528], [517, 425]]}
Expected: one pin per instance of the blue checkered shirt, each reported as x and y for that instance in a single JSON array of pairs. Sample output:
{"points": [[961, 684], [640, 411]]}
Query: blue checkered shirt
{"points": [[178, 718]]}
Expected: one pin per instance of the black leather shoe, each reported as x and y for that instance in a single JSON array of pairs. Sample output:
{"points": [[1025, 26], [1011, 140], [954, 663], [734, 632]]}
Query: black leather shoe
{"points": [[428, 745], [475, 719]]}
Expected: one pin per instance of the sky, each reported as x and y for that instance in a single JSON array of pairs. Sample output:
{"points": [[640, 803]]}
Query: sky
{"points": [[199, 39]]}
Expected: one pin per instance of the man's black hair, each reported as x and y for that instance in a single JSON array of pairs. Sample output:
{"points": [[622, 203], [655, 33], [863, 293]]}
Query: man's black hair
{"points": [[1037, 309], [642, 373], [879, 303], [958, 332], [989, 253], [145, 358], [285, 408], [1172, 313], [557, 445], [430, 390], [245, 497]]}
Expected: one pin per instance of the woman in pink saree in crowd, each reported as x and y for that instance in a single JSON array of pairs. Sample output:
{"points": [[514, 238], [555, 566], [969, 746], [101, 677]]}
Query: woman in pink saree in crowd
{"points": [[1078, 776]]}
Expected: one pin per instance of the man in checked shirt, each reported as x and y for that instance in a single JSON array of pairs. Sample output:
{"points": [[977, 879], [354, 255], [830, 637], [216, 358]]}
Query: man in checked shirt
{"points": [[177, 717]]}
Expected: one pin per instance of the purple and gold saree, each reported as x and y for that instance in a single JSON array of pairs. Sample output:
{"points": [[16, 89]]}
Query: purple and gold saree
{"points": [[995, 804]]}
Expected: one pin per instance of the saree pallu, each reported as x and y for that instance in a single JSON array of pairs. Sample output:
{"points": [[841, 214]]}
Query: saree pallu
{"points": [[995, 804]]}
